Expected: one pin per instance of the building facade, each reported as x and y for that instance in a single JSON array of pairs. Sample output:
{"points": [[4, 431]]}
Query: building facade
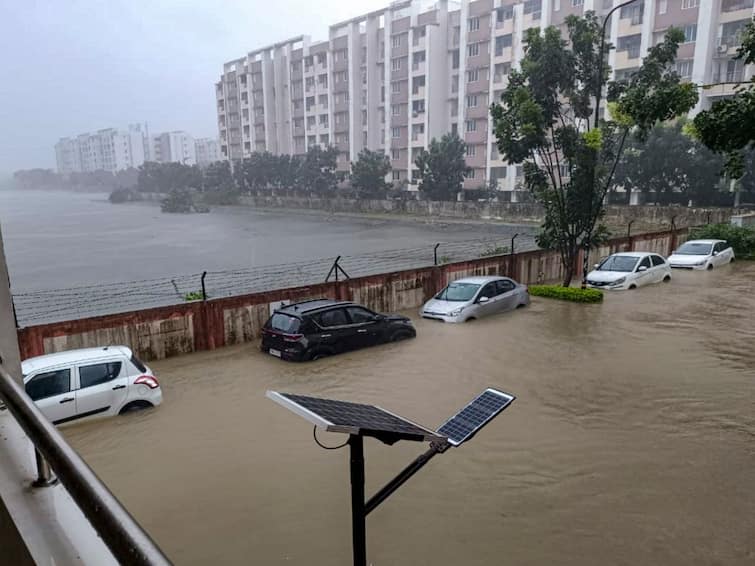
{"points": [[173, 147], [207, 151], [110, 149], [393, 79]]}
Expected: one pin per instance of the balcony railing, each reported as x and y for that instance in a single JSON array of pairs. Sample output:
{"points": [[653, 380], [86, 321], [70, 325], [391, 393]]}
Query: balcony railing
{"points": [[125, 538]]}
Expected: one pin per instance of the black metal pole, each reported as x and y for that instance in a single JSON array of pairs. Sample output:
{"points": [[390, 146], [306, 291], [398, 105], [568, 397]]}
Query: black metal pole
{"points": [[435, 253], [204, 289], [358, 514], [402, 477], [512, 242]]}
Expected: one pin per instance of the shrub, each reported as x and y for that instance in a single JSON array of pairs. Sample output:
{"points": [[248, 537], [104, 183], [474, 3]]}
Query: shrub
{"points": [[193, 296], [742, 239], [493, 251], [573, 294], [124, 195]]}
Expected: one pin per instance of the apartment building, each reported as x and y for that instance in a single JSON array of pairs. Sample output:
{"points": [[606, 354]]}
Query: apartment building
{"points": [[177, 147], [110, 149], [393, 79], [207, 151]]}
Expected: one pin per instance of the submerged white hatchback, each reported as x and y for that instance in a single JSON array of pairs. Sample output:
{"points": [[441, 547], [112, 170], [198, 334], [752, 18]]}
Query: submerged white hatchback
{"points": [[702, 254], [88, 383], [629, 270]]}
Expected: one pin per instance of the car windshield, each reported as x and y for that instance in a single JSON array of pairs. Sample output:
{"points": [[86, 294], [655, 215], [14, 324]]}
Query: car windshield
{"points": [[618, 263], [694, 248], [458, 292], [284, 323]]}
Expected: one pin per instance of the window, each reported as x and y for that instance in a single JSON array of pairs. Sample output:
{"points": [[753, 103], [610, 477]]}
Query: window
{"points": [[396, 132], [418, 107], [417, 83], [396, 175], [395, 154], [690, 33], [657, 260], [473, 49], [98, 373], [417, 130], [418, 58], [473, 24], [311, 121], [501, 43], [324, 139], [505, 13], [503, 286], [335, 317], [662, 6], [396, 41], [310, 82], [501, 70], [323, 100], [684, 68], [471, 125], [576, 3], [49, 384], [471, 150], [687, 4], [531, 6], [473, 75], [311, 140], [396, 87], [360, 316], [324, 120], [455, 60], [396, 64], [556, 5], [489, 290], [395, 109], [471, 101], [644, 263], [470, 174]]}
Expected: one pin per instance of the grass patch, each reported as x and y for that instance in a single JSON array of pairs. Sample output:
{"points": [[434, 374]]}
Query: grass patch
{"points": [[574, 294]]}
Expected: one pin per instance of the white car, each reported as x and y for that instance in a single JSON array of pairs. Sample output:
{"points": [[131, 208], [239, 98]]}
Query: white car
{"points": [[475, 297], [702, 254], [88, 383], [629, 270]]}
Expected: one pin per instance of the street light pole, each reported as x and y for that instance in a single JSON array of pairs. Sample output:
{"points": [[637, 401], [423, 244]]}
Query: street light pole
{"points": [[598, 96]]}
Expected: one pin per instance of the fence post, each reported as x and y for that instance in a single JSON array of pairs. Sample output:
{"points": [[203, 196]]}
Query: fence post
{"points": [[435, 253], [673, 235], [512, 258], [204, 289]]}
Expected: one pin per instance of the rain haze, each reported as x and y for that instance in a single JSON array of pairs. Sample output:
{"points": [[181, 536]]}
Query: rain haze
{"points": [[77, 66]]}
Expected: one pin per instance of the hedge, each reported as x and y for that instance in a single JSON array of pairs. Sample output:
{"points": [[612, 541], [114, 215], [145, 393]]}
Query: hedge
{"points": [[742, 239], [573, 294]]}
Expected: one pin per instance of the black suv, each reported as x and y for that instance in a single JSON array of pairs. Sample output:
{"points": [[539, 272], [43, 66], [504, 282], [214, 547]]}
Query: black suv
{"points": [[322, 327]]}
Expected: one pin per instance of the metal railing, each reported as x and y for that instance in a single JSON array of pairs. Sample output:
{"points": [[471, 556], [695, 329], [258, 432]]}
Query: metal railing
{"points": [[125, 538]]}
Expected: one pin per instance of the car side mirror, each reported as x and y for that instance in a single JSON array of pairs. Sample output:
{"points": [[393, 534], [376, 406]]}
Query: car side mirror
{"points": [[596, 266], [379, 317], [483, 300], [642, 268], [715, 253]]}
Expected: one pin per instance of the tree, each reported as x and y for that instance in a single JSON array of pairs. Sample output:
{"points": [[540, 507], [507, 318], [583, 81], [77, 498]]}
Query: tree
{"points": [[671, 167], [544, 122], [217, 177], [368, 174], [442, 168], [729, 126], [318, 173]]}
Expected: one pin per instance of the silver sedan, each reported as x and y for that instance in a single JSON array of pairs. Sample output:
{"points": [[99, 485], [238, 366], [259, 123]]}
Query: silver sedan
{"points": [[475, 297]]}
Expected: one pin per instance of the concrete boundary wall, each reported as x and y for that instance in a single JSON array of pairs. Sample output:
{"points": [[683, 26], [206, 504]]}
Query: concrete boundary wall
{"points": [[168, 331]]}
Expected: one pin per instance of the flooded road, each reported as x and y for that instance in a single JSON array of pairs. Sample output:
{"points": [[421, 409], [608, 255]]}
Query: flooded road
{"points": [[632, 441]]}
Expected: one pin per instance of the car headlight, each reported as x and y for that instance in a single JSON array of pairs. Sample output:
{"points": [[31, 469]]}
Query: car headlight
{"points": [[456, 312], [701, 262], [619, 281]]}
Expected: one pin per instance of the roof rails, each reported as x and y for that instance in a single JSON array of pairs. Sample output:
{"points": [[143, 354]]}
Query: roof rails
{"points": [[296, 306]]}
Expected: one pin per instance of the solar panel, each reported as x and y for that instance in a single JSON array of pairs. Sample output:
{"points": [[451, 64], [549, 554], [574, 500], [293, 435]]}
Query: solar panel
{"points": [[353, 418], [465, 424]]}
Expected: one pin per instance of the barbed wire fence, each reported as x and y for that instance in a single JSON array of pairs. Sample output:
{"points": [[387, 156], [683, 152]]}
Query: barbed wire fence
{"points": [[55, 305]]}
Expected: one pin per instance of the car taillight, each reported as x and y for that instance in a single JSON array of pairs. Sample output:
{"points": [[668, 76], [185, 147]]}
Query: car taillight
{"points": [[292, 337], [147, 380]]}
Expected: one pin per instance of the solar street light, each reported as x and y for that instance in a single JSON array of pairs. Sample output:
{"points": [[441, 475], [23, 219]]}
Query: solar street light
{"points": [[359, 420]]}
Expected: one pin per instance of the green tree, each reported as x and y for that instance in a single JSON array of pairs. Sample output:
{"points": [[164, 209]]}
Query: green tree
{"points": [[318, 173], [544, 122], [729, 126], [442, 168], [671, 167], [217, 177], [368, 174]]}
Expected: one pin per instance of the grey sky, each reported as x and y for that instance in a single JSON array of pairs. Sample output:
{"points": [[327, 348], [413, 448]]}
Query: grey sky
{"points": [[70, 66]]}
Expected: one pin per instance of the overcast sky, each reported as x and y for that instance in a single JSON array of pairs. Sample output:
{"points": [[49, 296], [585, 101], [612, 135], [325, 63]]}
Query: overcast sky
{"points": [[71, 66]]}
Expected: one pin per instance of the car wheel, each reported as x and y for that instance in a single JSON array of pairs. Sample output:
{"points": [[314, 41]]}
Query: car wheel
{"points": [[667, 278], [710, 267], [470, 319], [399, 336], [632, 287], [318, 355], [135, 406]]}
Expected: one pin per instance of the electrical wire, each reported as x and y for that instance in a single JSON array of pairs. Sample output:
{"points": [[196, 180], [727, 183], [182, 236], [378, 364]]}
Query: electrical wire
{"points": [[321, 445]]}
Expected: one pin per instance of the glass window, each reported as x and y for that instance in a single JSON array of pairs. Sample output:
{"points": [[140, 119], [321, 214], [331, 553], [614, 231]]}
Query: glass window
{"points": [[458, 292], [645, 262], [359, 315], [489, 290], [285, 323], [694, 248], [138, 364], [49, 384], [335, 317], [624, 263], [658, 260], [504, 286], [98, 373]]}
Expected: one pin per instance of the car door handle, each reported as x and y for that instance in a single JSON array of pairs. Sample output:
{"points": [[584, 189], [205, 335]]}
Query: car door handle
{"points": [[119, 387], [362, 331], [66, 400], [325, 335]]}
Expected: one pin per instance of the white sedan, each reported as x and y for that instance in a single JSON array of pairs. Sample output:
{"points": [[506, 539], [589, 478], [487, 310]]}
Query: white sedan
{"points": [[702, 254], [629, 270]]}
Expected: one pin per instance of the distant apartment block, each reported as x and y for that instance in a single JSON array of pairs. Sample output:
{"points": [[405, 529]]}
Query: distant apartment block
{"points": [[207, 151], [175, 147], [393, 79], [110, 149]]}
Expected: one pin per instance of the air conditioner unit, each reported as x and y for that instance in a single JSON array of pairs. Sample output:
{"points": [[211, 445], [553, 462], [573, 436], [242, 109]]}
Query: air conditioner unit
{"points": [[723, 48]]}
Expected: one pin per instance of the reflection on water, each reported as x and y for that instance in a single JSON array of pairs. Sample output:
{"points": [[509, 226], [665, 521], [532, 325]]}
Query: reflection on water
{"points": [[632, 441]]}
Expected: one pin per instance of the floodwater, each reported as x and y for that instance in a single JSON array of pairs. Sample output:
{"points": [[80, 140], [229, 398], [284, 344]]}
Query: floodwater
{"points": [[632, 441], [60, 239]]}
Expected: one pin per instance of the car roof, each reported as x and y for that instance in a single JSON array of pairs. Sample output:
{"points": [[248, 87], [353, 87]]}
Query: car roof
{"points": [[703, 241], [479, 280], [635, 254], [305, 307], [72, 356]]}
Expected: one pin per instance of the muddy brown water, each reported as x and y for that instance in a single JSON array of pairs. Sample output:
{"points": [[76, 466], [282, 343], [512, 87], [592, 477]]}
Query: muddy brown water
{"points": [[632, 441]]}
